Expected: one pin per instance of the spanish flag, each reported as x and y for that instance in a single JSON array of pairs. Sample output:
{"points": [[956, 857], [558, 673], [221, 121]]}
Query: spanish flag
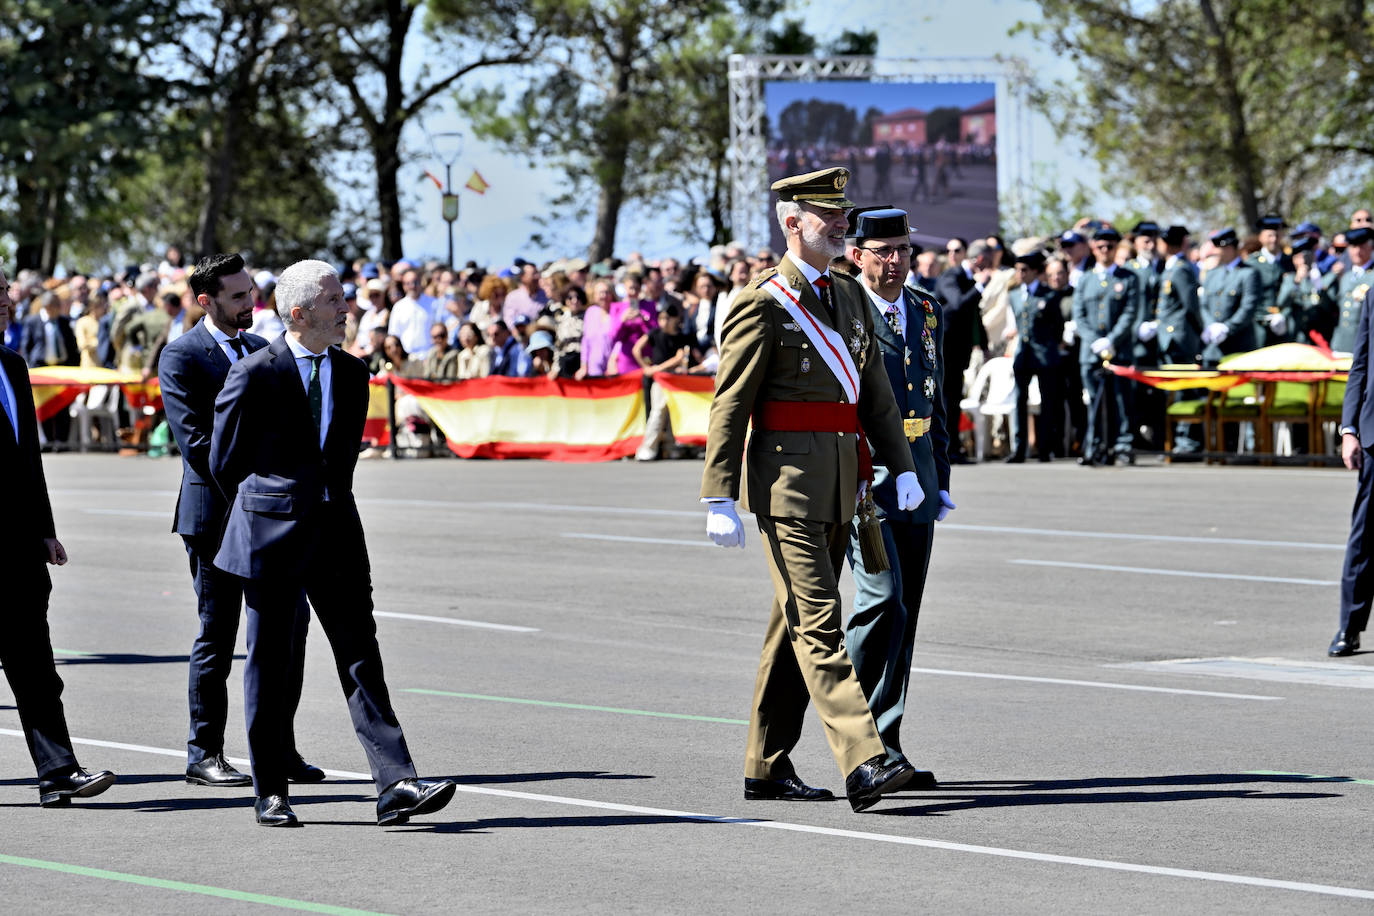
{"points": [[477, 183], [689, 404]]}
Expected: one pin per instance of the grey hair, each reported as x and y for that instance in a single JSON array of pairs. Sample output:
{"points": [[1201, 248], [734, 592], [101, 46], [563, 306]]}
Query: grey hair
{"points": [[978, 249], [147, 279], [299, 285], [785, 209]]}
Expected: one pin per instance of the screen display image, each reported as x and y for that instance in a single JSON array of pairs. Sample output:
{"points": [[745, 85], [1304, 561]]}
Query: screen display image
{"points": [[929, 148]]}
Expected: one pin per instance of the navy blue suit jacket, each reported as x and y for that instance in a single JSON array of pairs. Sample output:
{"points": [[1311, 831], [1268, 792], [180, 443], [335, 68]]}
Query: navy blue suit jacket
{"points": [[1358, 410], [266, 458], [192, 370], [28, 516], [35, 345]]}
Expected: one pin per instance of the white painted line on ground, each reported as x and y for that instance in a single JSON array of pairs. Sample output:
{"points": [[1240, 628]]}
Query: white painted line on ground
{"points": [[457, 623], [1104, 684], [1127, 536], [676, 542], [1282, 670], [1102, 567], [134, 513], [486, 505], [1000, 852]]}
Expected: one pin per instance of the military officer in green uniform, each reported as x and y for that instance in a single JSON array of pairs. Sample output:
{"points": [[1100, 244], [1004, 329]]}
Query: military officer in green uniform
{"points": [[1175, 321], [1105, 308], [881, 634], [1351, 286], [1147, 403], [1039, 315], [799, 358], [1303, 295], [1272, 324], [1230, 296]]}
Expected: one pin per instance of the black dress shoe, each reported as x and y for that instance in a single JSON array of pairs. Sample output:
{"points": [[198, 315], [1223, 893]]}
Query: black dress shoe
{"points": [[274, 811], [1344, 644], [789, 788], [1015, 459], [59, 788], [412, 797], [300, 771], [1046, 458], [873, 779], [216, 771]]}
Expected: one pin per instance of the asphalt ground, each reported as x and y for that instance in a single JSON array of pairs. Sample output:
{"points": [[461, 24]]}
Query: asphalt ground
{"points": [[589, 664]]}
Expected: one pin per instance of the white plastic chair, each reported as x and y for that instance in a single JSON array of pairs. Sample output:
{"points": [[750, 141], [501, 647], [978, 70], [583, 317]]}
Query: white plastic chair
{"points": [[100, 405], [993, 394]]}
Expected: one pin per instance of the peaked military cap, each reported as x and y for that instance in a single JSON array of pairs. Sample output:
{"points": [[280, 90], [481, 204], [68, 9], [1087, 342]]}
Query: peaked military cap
{"points": [[885, 222], [824, 188], [1175, 235], [1359, 236], [1306, 243], [1107, 234], [1224, 237], [1305, 228], [1146, 227], [1035, 260], [1270, 221], [1070, 237]]}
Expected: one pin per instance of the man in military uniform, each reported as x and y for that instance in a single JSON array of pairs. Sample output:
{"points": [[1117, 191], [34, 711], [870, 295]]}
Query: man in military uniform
{"points": [[881, 634], [1105, 305], [1351, 287], [1175, 321], [1038, 313], [1230, 295], [798, 356], [1272, 325], [1148, 403], [1303, 296]]}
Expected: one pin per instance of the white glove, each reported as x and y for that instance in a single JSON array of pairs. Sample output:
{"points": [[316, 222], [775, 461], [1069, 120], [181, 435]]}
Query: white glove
{"points": [[1278, 323], [1070, 329], [1147, 330], [909, 492], [946, 506], [1218, 331], [1100, 345], [723, 524]]}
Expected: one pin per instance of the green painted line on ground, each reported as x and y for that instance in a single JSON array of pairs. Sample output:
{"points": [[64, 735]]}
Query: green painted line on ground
{"points": [[206, 890], [1312, 776], [68, 652], [556, 705]]}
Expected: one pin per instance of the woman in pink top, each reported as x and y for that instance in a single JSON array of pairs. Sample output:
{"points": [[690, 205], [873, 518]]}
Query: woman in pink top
{"points": [[631, 319], [596, 329]]}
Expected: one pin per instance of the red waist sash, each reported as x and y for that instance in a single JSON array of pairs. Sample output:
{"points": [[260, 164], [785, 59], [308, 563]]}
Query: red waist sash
{"points": [[816, 417]]}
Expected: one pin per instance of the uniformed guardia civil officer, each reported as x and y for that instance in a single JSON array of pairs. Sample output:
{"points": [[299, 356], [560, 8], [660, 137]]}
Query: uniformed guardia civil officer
{"points": [[1303, 295], [1105, 308], [1230, 295], [1272, 324], [1147, 403], [1352, 285], [1176, 321], [798, 356], [1037, 310], [881, 634]]}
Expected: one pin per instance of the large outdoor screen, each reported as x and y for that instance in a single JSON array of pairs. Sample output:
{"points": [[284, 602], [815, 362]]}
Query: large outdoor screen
{"points": [[928, 148]]}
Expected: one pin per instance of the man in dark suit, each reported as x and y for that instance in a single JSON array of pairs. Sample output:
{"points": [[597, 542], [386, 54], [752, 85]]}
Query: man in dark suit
{"points": [[285, 444], [881, 633], [960, 290], [192, 370], [30, 542], [1039, 330], [50, 341], [1357, 441]]}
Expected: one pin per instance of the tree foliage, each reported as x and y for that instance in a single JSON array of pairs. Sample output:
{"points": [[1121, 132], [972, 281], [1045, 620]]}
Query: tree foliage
{"points": [[1217, 109]]}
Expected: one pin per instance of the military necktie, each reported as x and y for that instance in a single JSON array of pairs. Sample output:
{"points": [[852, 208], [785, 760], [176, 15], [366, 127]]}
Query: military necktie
{"points": [[237, 344], [823, 291], [316, 392]]}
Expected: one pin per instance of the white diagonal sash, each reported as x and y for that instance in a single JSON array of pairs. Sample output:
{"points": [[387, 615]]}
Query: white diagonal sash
{"points": [[828, 343]]}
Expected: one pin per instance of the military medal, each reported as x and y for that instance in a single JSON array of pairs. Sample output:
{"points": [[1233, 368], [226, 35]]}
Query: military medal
{"points": [[893, 322], [806, 364], [930, 313], [929, 387]]}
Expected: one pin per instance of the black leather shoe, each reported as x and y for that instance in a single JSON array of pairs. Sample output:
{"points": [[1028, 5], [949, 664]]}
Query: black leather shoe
{"points": [[216, 771], [60, 788], [274, 811], [1015, 459], [921, 779], [300, 771], [412, 797], [1344, 644], [873, 779], [789, 788]]}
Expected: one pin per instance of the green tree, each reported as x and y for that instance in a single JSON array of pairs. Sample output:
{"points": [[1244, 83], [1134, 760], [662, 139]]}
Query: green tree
{"points": [[77, 104], [943, 124], [1213, 108]]}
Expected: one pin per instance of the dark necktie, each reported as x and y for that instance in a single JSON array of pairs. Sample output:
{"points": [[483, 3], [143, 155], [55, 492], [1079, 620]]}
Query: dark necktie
{"points": [[823, 287], [316, 392], [11, 421], [237, 344]]}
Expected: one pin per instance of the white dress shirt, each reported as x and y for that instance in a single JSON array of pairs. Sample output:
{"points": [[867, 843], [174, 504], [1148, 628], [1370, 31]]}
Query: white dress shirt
{"points": [[884, 307], [223, 339], [303, 365], [812, 275]]}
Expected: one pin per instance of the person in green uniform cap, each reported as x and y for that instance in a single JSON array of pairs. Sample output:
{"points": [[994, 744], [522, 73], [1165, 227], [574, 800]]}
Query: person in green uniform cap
{"points": [[1303, 295], [1230, 296], [1176, 322], [1272, 324], [1039, 314], [1147, 403], [1105, 307], [1352, 286]]}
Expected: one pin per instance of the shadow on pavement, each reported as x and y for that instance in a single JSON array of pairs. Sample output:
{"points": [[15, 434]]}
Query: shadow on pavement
{"points": [[128, 658], [501, 778]]}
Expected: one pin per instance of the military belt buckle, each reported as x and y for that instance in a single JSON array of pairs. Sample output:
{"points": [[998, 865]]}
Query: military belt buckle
{"points": [[915, 428]]}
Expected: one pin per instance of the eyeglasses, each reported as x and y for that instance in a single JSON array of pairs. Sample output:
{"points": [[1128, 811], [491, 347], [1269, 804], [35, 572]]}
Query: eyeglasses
{"points": [[954, 249], [885, 252]]}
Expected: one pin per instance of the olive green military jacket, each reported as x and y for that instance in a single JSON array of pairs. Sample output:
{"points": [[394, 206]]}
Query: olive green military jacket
{"points": [[765, 356]]}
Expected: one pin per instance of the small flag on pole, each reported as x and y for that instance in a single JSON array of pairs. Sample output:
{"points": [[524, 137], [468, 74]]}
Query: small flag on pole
{"points": [[434, 178], [477, 183]]}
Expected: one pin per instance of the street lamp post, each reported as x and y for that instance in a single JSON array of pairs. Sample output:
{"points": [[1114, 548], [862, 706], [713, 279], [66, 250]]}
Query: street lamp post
{"points": [[447, 147]]}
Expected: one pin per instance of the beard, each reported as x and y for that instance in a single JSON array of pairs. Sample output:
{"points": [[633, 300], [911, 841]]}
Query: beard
{"points": [[819, 242]]}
